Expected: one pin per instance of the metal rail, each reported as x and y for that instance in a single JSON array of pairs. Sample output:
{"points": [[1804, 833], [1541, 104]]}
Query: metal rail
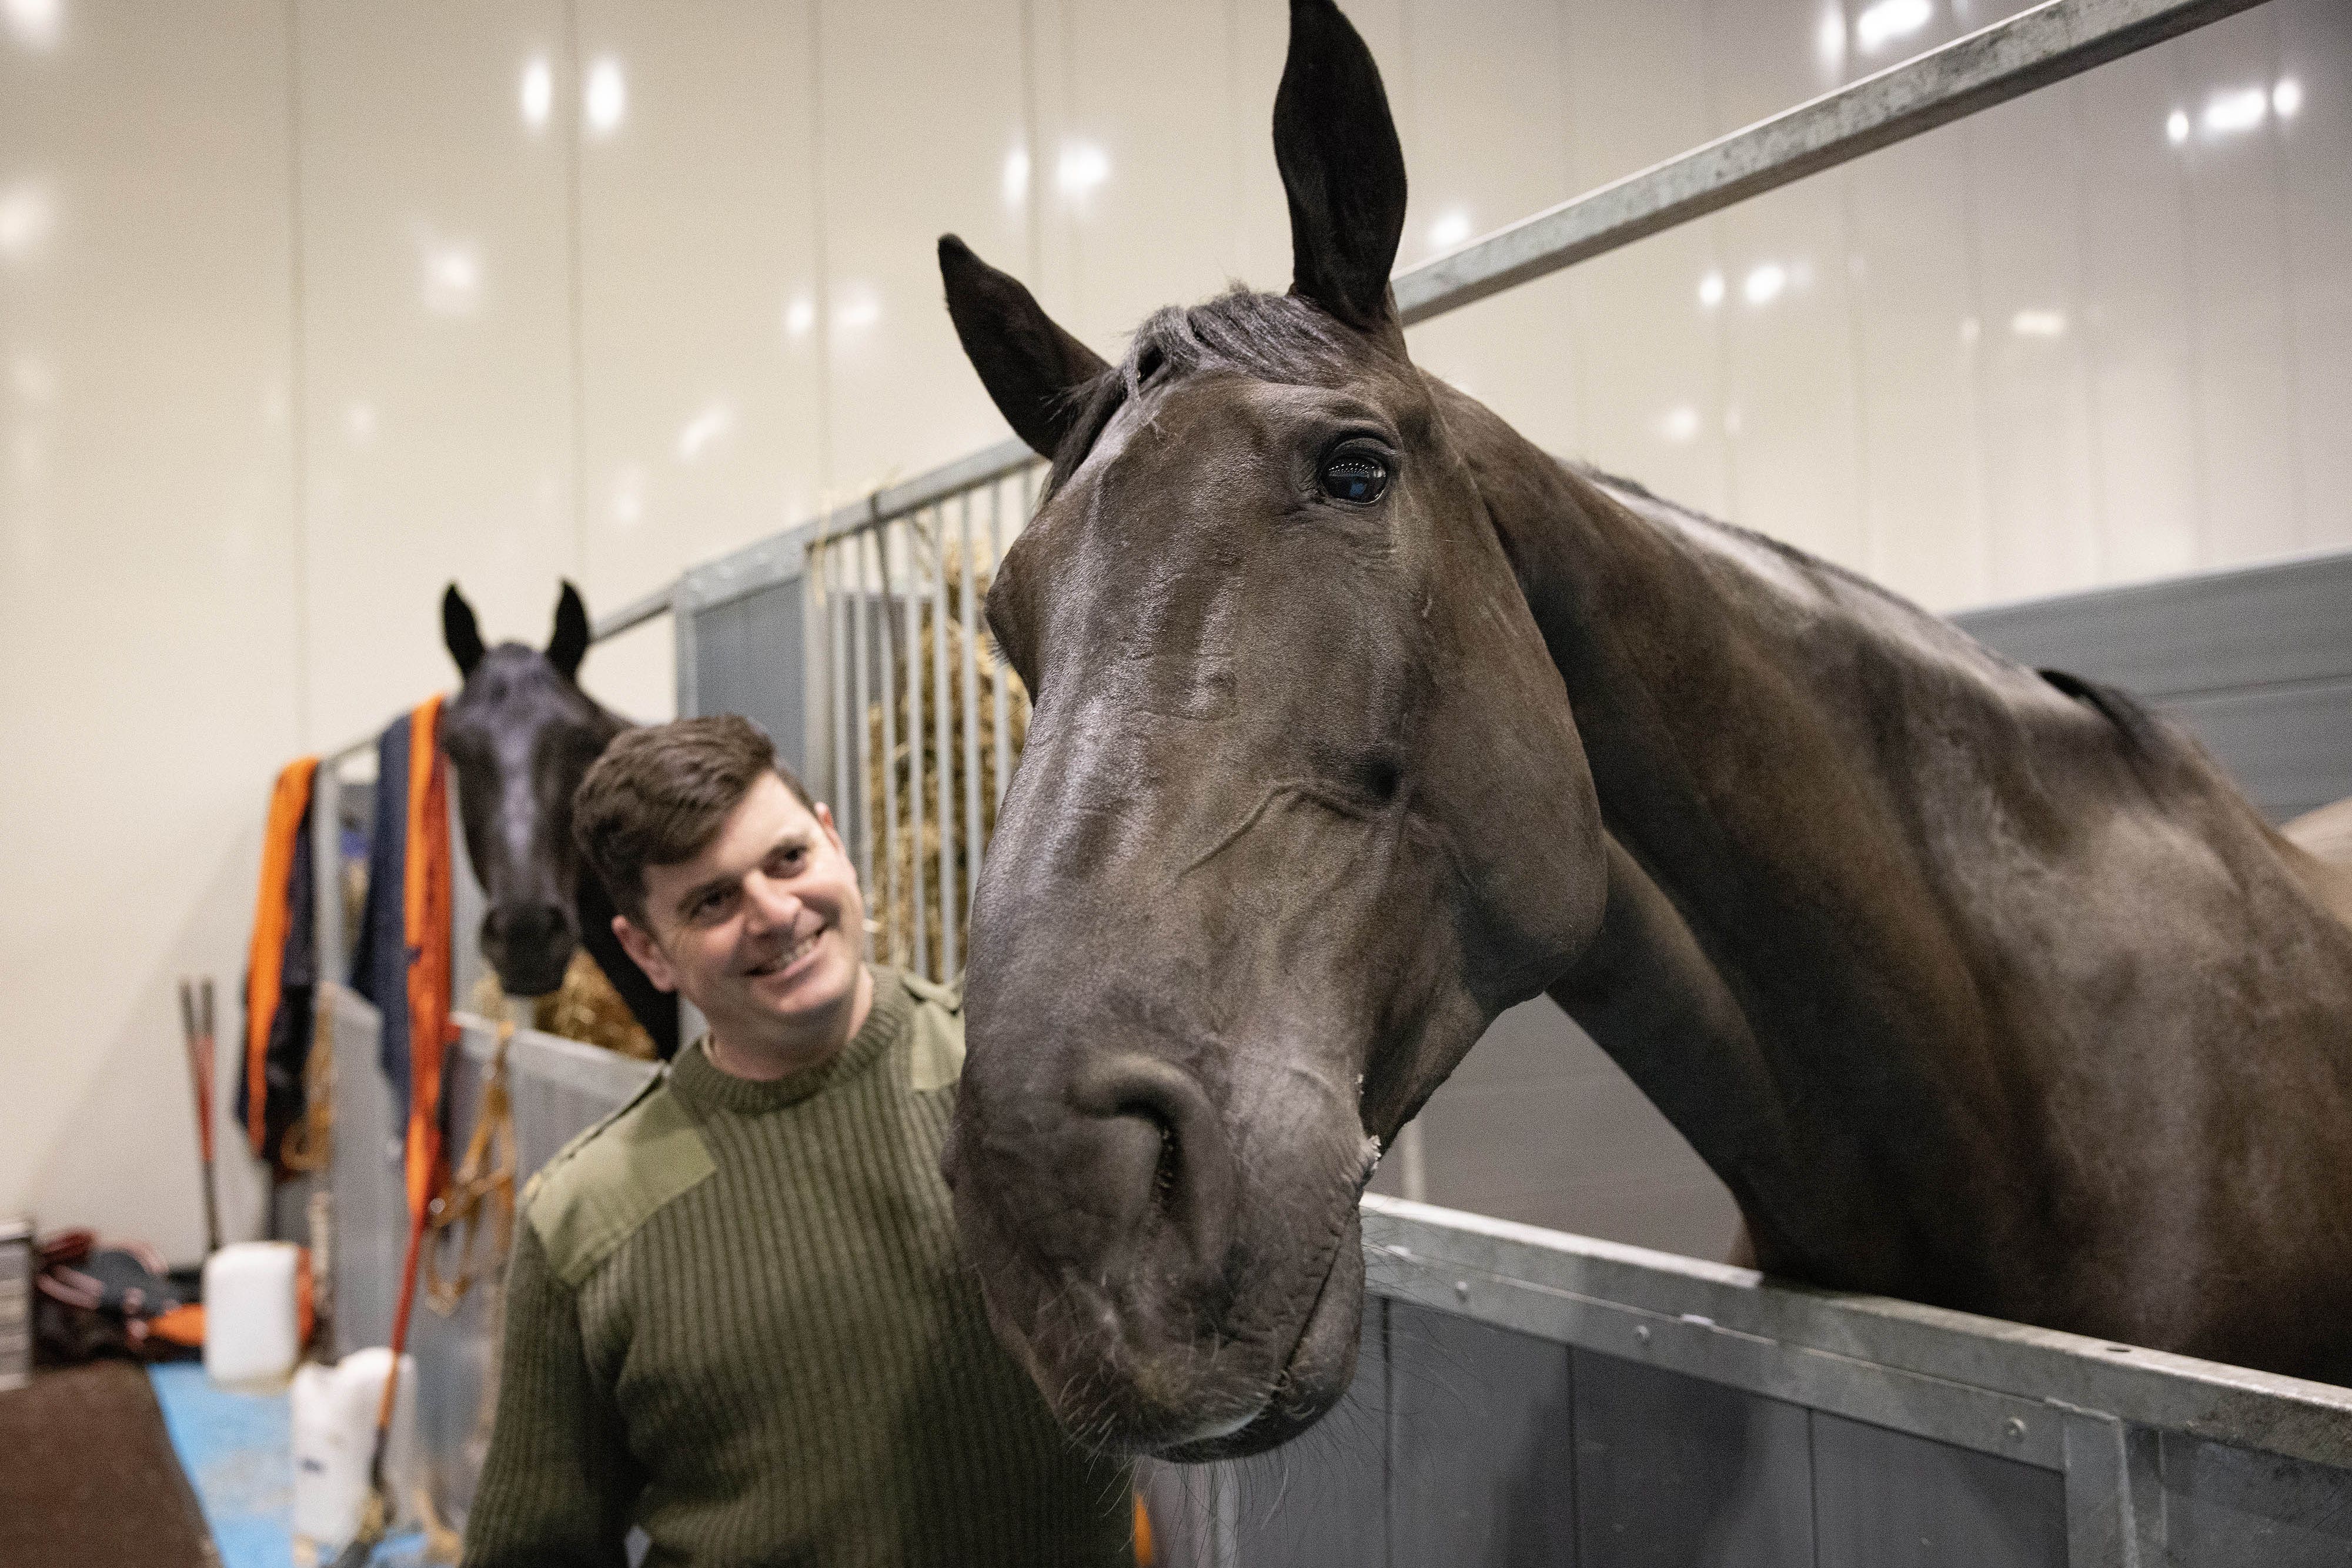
{"points": [[2031, 49]]}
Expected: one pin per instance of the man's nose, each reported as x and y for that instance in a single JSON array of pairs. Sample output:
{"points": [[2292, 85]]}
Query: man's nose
{"points": [[770, 904]]}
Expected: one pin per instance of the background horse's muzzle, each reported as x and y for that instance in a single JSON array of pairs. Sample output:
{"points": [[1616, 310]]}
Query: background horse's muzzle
{"points": [[530, 945]]}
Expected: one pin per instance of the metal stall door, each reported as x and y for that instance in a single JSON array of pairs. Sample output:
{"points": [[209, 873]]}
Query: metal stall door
{"points": [[918, 719]]}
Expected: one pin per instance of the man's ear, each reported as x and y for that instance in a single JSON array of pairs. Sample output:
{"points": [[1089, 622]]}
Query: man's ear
{"points": [[646, 952], [1342, 170], [1030, 366], [460, 631], [569, 644]]}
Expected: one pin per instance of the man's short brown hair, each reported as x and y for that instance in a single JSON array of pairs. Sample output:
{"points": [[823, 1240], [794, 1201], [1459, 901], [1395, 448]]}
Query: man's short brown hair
{"points": [[659, 795]]}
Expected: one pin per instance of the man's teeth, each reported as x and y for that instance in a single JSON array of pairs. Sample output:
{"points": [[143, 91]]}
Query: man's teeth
{"points": [[792, 955]]}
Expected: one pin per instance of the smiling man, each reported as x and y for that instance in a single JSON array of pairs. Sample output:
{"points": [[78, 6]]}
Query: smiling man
{"points": [[735, 1316]]}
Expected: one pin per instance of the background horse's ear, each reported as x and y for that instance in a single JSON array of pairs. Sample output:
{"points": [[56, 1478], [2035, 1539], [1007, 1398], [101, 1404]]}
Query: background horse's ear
{"points": [[569, 645], [459, 631], [1029, 365], [1342, 169]]}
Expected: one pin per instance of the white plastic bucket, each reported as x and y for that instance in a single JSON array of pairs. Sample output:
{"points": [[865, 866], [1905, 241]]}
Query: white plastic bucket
{"points": [[252, 1332], [334, 1439]]}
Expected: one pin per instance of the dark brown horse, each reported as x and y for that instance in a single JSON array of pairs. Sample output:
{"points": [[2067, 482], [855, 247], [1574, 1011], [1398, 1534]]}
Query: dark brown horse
{"points": [[520, 738], [1360, 719]]}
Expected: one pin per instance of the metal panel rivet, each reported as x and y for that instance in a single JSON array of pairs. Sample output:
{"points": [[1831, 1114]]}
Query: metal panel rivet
{"points": [[2015, 1427], [1462, 1290], [1641, 1332]]}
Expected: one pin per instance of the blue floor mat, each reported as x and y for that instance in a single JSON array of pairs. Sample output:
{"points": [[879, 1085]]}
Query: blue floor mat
{"points": [[238, 1451]]}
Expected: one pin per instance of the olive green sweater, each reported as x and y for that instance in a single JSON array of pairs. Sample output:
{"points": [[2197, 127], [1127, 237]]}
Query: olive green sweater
{"points": [[736, 1317]]}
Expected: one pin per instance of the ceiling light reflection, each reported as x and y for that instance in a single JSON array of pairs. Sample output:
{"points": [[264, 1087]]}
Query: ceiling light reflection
{"points": [[2227, 113], [36, 23], [1710, 290], [1016, 176], [2039, 323], [2286, 97], [1680, 425], [26, 217], [1763, 284], [453, 278], [607, 97], [1082, 166], [800, 316], [537, 93], [1450, 230], [1889, 20], [2176, 127], [1829, 41], [712, 423], [858, 309]]}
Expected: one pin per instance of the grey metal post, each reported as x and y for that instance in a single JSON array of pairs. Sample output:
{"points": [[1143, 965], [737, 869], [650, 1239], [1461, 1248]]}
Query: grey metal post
{"points": [[943, 741], [914, 613], [889, 696], [837, 681], [972, 848], [1001, 696], [327, 868], [863, 738]]}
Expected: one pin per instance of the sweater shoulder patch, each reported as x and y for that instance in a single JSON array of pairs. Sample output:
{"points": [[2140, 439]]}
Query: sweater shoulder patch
{"points": [[610, 1180], [934, 1037]]}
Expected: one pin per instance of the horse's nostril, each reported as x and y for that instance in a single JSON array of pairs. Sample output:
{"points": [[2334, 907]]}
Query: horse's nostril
{"points": [[1167, 1150]]}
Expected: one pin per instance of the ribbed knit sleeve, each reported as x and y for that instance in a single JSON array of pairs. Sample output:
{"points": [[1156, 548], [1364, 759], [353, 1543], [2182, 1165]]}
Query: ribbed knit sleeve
{"points": [[557, 1488]]}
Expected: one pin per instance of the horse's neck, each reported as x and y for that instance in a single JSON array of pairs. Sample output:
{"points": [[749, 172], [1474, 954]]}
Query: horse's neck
{"points": [[1781, 969]]}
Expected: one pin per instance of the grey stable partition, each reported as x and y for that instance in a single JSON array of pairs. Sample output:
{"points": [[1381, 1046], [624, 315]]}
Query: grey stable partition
{"points": [[2257, 662], [1528, 1397], [558, 1088]]}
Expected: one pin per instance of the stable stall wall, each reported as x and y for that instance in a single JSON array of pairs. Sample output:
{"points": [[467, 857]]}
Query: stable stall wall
{"points": [[307, 308]]}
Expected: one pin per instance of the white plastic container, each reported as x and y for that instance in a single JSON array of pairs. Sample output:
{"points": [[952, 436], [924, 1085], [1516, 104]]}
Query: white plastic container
{"points": [[252, 1333], [334, 1439]]}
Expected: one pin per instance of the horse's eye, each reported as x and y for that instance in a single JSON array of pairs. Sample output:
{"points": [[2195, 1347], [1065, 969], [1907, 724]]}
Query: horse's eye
{"points": [[1355, 476]]}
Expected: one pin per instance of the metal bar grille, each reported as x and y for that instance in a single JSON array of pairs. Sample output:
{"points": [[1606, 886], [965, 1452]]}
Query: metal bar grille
{"points": [[933, 739]]}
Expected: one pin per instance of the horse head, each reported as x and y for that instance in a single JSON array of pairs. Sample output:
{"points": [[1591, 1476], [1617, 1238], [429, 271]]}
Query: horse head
{"points": [[520, 736], [1302, 810]]}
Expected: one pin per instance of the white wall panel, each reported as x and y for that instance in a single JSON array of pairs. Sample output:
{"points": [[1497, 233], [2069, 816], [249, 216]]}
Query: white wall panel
{"points": [[436, 312], [2238, 297], [150, 572], [921, 105], [1489, 106], [1917, 331], [2135, 321], [701, 360], [2315, 81], [2023, 194], [1649, 349], [1139, 183]]}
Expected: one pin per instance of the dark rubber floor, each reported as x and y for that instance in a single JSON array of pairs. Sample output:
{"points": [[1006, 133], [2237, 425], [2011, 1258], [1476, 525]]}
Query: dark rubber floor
{"points": [[88, 1475]]}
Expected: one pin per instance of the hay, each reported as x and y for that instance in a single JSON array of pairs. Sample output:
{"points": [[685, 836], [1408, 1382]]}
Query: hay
{"points": [[889, 905]]}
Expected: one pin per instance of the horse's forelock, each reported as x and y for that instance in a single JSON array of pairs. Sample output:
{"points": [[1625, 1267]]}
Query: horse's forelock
{"points": [[1273, 337]]}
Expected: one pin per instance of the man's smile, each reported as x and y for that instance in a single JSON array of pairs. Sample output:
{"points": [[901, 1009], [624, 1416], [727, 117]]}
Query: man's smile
{"points": [[790, 956]]}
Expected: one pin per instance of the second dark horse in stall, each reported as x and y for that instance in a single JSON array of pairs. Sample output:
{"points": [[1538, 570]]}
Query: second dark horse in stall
{"points": [[520, 736]]}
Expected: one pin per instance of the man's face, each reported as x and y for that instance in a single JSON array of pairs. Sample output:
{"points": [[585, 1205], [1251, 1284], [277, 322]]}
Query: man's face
{"points": [[764, 930]]}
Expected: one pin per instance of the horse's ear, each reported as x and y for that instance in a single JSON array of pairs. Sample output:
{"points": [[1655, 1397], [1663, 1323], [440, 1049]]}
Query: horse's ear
{"points": [[459, 631], [569, 645], [1342, 169], [1029, 365]]}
